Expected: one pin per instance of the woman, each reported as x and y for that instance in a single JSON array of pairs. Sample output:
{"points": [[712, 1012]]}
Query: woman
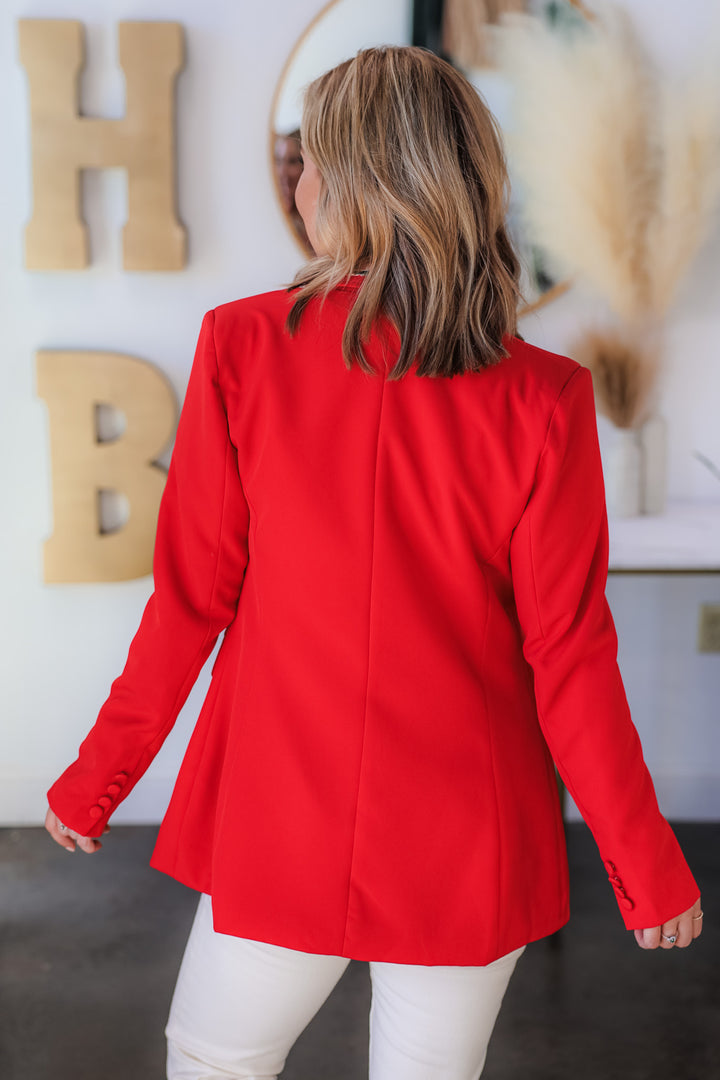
{"points": [[411, 569]]}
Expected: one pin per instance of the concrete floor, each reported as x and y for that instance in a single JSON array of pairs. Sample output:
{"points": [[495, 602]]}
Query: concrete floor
{"points": [[90, 950]]}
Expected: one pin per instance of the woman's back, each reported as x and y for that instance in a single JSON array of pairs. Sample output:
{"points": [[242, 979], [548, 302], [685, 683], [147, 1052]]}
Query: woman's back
{"points": [[412, 571]]}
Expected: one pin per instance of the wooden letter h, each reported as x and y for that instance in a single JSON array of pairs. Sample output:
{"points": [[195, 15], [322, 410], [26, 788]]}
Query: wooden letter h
{"points": [[63, 142]]}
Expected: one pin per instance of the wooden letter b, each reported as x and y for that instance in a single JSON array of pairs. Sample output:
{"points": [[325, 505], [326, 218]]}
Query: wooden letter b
{"points": [[73, 385]]}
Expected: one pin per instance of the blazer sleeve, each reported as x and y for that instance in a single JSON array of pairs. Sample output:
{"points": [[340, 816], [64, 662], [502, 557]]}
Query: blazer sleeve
{"points": [[200, 556], [559, 563]]}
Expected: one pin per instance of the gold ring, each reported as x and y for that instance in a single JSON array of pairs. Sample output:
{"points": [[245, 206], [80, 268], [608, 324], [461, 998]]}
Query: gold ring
{"points": [[696, 917]]}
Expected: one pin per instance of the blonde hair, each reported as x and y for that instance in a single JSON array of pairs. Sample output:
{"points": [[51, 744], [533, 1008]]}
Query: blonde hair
{"points": [[415, 190]]}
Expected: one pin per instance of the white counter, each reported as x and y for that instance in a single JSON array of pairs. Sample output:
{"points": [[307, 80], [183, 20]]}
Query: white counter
{"points": [[685, 537]]}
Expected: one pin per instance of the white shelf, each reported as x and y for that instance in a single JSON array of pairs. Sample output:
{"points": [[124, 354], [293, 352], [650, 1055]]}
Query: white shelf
{"points": [[685, 537]]}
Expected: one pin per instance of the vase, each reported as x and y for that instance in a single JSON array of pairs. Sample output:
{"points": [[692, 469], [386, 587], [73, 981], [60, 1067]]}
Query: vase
{"points": [[635, 465], [623, 471], [653, 465]]}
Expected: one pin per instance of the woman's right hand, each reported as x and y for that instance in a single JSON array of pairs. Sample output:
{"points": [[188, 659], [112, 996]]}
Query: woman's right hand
{"points": [[676, 933], [67, 838]]}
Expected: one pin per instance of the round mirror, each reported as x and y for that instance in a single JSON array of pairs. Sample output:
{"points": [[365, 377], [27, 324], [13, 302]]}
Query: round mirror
{"points": [[340, 29]]}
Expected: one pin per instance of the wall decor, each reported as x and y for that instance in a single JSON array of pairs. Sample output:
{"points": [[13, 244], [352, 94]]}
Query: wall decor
{"points": [[64, 142], [85, 464]]}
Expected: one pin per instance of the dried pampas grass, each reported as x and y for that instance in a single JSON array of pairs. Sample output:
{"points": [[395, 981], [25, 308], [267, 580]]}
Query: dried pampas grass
{"points": [[689, 190], [619, 172], [624, 364], [580, 148], [620, 182]]}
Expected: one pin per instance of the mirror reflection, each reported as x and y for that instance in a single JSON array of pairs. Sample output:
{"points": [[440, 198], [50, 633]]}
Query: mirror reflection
{"points": [[288, 162]]}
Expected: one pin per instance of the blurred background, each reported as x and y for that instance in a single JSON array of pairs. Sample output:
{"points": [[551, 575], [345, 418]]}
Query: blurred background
{"points": [[611, 114]]}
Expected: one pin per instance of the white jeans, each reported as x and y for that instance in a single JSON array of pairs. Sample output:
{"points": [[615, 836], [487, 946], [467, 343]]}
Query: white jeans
{"points": [[239, 1006]]}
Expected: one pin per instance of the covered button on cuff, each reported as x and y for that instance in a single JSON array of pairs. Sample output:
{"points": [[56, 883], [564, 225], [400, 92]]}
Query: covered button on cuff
{"points": [[627, 903], [96, 812], [113, 789], [609, 866], [120, 778], [105, 801]]}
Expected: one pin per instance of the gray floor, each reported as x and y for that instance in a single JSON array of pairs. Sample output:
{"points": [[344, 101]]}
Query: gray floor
{"points": [[90, 950]]}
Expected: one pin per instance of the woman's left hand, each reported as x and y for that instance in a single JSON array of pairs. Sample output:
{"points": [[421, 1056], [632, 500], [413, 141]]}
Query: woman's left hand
{"points": [[676, 933]]}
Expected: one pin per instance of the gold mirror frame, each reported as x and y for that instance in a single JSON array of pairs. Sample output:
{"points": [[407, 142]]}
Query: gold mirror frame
{"points": [[296, 230]]}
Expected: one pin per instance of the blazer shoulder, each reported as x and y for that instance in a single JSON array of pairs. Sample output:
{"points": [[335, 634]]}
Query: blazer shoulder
{"points": [[266, 305], [538, 385], [538, 371], [252, 322]]}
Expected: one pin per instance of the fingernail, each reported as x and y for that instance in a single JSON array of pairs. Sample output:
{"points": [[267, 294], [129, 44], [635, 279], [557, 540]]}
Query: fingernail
{"points": [[70, 849]]}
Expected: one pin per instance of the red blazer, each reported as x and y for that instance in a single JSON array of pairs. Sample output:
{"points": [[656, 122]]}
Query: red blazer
{"points": [[412, 576]]}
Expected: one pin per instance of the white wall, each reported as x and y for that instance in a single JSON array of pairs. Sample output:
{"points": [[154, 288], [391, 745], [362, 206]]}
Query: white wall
{"points": [[61, 646]]}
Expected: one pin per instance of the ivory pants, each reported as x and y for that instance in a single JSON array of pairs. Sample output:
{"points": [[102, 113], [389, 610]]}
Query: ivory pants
{"points": [[239, 1006]]}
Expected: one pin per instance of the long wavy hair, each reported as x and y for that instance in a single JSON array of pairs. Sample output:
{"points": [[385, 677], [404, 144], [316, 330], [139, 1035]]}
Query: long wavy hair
{"points": [[414, 193]]}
